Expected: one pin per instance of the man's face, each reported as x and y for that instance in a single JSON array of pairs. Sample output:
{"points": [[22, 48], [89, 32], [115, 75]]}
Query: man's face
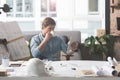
{"points": [[48, 29]]}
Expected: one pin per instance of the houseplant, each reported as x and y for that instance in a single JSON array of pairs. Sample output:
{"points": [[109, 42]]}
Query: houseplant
{"points": [[100, 46]]}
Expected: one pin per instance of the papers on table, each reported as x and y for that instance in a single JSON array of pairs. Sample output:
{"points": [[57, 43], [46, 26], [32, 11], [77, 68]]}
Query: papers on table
{"points": [[72, 68]]}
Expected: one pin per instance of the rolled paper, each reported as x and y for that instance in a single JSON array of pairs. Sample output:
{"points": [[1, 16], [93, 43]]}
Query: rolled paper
{"points": [[109, 71], [111, 62], [115, 61]]}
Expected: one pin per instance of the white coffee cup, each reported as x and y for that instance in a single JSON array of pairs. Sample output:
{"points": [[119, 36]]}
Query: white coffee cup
{"points": [[53, 33]]}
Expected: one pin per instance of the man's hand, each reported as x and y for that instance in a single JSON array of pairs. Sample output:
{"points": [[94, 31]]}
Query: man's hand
{"points": [[48, 36], [68, 55]]}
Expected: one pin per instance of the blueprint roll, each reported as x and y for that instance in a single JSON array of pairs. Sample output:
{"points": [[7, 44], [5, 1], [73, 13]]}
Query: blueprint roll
{"points": [[111, 62], [108, 71], [115, 61], [97, 71]]}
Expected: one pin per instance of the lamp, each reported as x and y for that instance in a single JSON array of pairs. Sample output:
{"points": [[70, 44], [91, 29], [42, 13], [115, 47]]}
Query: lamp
{"points": [[5, 8]]}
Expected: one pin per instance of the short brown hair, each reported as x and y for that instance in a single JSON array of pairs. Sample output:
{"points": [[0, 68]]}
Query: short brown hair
{"points": [[48, 21]]}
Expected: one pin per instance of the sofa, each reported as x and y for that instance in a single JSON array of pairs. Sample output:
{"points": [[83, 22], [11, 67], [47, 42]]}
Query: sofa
{"points": [[73, 36]]}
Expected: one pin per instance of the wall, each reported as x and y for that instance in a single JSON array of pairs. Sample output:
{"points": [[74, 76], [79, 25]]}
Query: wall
{"points": [[114, 13]]}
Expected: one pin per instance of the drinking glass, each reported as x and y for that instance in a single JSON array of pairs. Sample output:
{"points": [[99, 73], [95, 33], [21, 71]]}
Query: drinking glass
{"points": [[5, 59]]}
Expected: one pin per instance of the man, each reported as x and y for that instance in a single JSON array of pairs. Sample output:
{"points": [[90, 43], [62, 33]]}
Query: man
{"points": [[45, 45]]}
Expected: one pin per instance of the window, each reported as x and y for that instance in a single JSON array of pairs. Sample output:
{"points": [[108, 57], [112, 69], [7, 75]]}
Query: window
{"points": [[48, 8], [82, 15], [93, 7], [22, 8]]}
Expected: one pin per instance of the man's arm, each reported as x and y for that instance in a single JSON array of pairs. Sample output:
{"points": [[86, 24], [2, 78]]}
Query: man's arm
{"points": [[45, 40]]}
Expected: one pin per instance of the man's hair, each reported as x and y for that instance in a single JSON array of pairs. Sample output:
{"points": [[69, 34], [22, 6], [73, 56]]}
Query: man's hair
{"points": [[48, 21]]}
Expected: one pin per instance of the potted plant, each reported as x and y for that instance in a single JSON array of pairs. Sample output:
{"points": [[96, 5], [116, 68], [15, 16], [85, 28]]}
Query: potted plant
{"points": [[99, 46]]}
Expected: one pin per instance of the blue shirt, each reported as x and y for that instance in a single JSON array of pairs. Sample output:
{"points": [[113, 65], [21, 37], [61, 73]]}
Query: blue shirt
{"points": [[52, 47]]}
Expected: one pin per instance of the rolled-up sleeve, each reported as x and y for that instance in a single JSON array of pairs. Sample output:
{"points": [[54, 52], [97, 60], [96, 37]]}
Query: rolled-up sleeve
{"points": [[34, 48]]}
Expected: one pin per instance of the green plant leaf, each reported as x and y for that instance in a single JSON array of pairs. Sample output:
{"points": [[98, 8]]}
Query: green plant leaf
{"points": [[104, 44]]}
